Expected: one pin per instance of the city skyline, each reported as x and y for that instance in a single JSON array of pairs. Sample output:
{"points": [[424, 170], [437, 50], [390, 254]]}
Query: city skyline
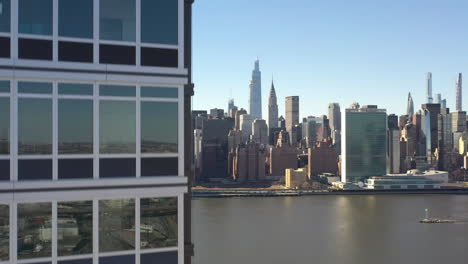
{"points": [[388, 56]]}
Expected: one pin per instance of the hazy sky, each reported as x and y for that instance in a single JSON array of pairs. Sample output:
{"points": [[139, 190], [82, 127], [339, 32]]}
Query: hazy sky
{"points": [[372, 52]]}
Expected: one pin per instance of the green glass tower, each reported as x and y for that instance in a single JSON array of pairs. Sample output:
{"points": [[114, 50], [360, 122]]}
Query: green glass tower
{"points": [[364, 143]]}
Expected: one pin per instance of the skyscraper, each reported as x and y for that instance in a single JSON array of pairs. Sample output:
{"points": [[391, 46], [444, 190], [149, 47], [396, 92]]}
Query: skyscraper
{"points": [[99, 157], [429, 88], [255, 100], [272, 108], [458, 107], [334, 115], [364, 143], [292, 116], [410, 108]]}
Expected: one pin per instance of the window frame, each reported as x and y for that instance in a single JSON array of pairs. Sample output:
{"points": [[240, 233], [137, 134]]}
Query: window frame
{"points": [[14, 157], [95, 41]]}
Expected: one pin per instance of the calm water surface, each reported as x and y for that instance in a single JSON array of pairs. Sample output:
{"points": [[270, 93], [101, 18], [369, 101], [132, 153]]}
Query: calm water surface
{"points": [[367, 229]]}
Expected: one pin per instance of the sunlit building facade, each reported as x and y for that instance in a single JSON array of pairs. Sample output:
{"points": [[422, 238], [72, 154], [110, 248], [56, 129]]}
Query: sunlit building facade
{"points": [[92, 141]]}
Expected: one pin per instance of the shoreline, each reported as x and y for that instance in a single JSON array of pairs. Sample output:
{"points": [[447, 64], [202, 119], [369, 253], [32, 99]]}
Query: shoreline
{"points": [[226, 193]]}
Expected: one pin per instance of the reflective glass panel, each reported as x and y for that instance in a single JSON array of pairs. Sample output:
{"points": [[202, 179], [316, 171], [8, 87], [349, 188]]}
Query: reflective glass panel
{"points": [[5, 170], [35, 17], [4, 15], [116, 225], [159, 21], [34, 126], [34, 169], [117, 90], [75, 89], [169, 257], [117, 20], [4, 232], [158, 222], [117, 127], [75, 126], [159, 127], [76, 18], [127, 259], [4, 86], [75, 228], [34, 230], [35, 87], [161, 92], [4, 125]]}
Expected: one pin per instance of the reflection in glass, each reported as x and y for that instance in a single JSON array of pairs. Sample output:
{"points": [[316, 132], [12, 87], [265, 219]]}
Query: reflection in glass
{"points": [[75, 126], [158, 222], [117, 20], [34, 230], [35, 87], [5, 16], [76, 18], [117, 127], [4, 125], [75, 228], [161, 92], [34, 126], [159, 21], [159, 125], [4, 232], [75, 89], [117, 90], [35, 17], [116, 225]]}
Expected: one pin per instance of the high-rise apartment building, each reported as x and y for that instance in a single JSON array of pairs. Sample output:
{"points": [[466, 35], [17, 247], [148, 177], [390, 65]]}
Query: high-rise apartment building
{"points": [[459, 94], [334, 115], [458, 121], [364, 143], [272, 108], [94, 100], [292, 116], [255, 99], [429, 88], [260, 132]]}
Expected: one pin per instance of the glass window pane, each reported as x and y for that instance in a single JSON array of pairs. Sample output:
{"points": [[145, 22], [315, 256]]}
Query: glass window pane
{"points": [[76, 261], [161, 92], [117, 20], [161, 257], [76, 18], [5, 170], [75, 126], [4, 86], [117, 90], [159, 127], [35, 87], [35, 17], [4, 15], [4, 125], [151, 167], [35, 49], [75, 89], [117, 127], [4, 232], [75, 228], [75, 168], [35, 169], [34, 230], [34, 126], [158, 222], [117, 168], [159, 21], [116, 225], [127, 259]]}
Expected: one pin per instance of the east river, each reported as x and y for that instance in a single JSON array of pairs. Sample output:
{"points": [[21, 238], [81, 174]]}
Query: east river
{"points": [[350, 229]]}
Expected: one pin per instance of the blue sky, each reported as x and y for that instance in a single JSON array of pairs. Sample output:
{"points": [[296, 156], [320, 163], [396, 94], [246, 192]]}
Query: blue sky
{"points": [[366, 51]]}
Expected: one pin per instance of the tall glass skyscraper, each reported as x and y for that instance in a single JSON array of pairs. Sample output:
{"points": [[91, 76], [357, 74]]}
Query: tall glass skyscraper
{"points": [[94, 99], [364, 143], [255, 99]]}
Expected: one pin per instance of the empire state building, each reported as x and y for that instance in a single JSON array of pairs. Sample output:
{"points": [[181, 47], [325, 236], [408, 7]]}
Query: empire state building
{"points": [[255, 99]]}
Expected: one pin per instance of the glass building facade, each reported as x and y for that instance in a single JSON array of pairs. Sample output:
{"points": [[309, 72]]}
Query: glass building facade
{"points": [[92, 164], [364, 143]]}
